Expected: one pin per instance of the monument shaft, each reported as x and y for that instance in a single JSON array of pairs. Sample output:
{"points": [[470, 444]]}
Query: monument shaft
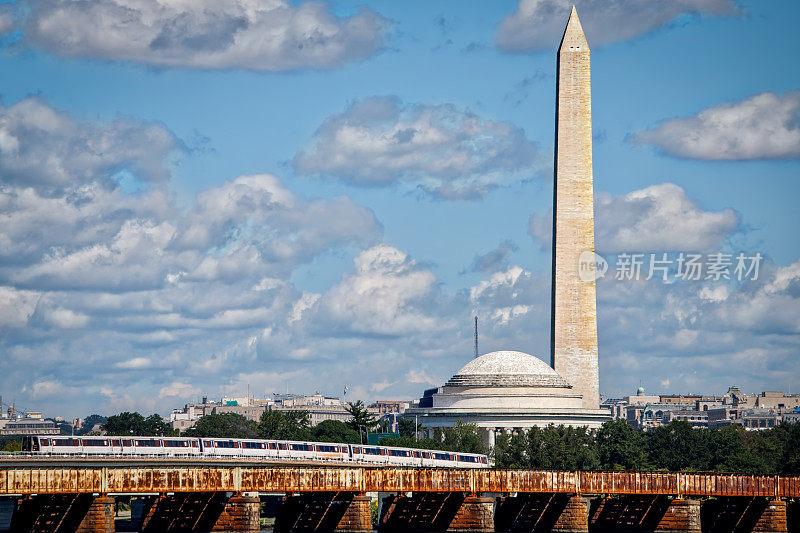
{"points": [[574, 306]]}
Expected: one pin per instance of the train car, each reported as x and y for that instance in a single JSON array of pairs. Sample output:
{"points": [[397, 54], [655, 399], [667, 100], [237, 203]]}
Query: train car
{"points": [[139, 446]]}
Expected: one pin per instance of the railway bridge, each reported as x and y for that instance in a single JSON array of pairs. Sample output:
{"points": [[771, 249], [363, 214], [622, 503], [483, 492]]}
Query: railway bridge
{"points": [[174, 495]]}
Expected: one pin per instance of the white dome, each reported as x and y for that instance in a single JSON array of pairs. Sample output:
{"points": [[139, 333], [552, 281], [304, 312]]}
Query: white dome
{"points": [[507, 369]]}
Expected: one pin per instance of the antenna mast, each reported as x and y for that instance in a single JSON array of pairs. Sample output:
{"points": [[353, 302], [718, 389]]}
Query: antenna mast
{"points": [[476, 336]]}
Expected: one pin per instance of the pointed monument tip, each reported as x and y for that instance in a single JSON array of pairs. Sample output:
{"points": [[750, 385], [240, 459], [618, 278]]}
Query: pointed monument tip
{"points": [[573, 33]]}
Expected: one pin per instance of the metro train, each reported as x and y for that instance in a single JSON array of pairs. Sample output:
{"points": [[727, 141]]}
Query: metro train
{"points": [[108, 446]]}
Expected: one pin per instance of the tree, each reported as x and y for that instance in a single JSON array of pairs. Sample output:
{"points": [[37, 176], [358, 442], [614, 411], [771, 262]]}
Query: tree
{"points": [[362, 420], [620, 446], [511, 451], [90, 422], [677, 446], [407, 427], [463, 437], [11, 443], [791, 450], [561, 448], [285, 425], [334, 431], [224, 425], [128, 423]]}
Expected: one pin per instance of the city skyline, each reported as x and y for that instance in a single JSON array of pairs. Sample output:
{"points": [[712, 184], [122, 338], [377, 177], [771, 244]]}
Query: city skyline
{"points": [[214, 210]]}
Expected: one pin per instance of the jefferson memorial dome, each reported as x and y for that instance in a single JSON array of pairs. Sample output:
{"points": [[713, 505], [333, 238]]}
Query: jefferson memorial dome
{"points": [[504, 391], [507, 369]]}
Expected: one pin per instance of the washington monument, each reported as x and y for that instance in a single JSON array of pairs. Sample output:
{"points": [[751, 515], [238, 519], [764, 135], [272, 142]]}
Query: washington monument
{"points": [[573, 339]]}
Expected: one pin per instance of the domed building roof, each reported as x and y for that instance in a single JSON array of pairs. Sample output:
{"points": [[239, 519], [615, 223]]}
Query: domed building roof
{"points": [[507, 369]]}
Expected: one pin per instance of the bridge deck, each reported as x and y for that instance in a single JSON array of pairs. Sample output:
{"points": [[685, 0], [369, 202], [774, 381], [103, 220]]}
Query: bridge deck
{"points": [[112, 477]]}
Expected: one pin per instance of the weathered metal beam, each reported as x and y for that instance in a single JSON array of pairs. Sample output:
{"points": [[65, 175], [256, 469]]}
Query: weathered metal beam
{"points": [[32, 479]]}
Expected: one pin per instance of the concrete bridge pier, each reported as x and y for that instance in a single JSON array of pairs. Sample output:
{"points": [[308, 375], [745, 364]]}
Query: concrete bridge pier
{"points": [[99, 517], [574, 517], [476, 514], [773, 518], [681, 516]]}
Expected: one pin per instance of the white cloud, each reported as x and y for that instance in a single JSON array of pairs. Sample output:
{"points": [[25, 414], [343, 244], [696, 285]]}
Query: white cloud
{"points": [[177, 389], [45, 148], [388, 294], [420, 376], [497, 281], [657, 218], [539, 24], [16, 306], [214, 34], [445, 151], [136, 363], [764, 126]]}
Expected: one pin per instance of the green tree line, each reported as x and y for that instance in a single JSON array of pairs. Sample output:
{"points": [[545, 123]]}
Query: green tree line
{"points": [[676, 447]]}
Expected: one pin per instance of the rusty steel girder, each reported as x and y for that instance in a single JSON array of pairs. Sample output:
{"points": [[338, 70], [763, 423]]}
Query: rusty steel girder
{"points": [[73, 479]]}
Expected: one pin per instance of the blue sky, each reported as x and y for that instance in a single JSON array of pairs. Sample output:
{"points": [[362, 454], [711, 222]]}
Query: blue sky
{"points": [[314, 195]]}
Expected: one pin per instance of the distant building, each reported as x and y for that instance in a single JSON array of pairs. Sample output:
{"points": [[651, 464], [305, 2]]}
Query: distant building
{"points": [[30, 426], [250, 412], [680, 399], [319, 413], [390, 406], [695, 418]]}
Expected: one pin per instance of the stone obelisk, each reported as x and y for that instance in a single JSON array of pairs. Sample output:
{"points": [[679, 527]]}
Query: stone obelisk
{"points": [[573, 349]]}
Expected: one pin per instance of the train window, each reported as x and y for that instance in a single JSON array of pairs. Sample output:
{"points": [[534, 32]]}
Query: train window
{"points": [[115, 442], [416, 454], [175, 443], [484, 460], [300, 447], [45, 442], [373, 451], [324, 448], [208, 443], [127, 442], [95, 442], [272, 446], [356, 449], [282, 446], [65, 442]]}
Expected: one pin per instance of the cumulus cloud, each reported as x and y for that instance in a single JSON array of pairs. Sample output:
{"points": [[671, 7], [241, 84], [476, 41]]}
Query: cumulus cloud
{"points": [[657, 218], [539, 24], [42, 147], [660, 217], [764, 126], [212, 34], [445, 151], [387, 294]]}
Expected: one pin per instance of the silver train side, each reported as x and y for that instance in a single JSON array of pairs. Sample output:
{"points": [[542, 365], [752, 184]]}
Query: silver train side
{"points": [[289, 451]]}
